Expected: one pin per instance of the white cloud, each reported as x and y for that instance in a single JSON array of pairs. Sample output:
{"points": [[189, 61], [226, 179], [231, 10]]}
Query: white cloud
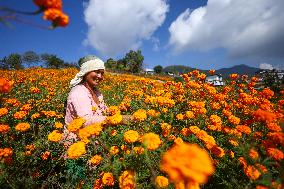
{"points": [[265, 66], [243, 27], [117, 26]]}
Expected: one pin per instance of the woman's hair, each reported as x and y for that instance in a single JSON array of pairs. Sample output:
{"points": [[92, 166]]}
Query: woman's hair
{"points": [[86, 58]]}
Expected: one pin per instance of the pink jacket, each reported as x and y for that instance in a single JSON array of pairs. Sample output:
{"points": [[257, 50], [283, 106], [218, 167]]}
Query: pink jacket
{"points": [[81, 104]]}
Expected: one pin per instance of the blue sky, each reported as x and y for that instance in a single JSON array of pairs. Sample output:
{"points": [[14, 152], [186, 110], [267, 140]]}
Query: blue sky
{"points": [[203, 34]]}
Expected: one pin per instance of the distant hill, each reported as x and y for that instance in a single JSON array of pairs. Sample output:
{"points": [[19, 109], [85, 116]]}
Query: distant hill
{"points": [[238, 69]]}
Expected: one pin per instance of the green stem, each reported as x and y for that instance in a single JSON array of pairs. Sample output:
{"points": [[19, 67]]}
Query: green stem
{"points": [[6, 9]]}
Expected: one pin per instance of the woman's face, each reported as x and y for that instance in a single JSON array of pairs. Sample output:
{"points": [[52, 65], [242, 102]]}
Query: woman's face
{"points": [[93, 78]]}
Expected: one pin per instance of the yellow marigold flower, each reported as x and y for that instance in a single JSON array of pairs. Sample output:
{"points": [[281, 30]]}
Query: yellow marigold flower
{"points": [[58, 125], [23, 127], [166, 129], [161, 181], [234, 120], [34, 90], [165, 110], [115, 119], [232, 154], [76, 124], [194, 129], [189, 114], [233, 142], [179, 116], [138, 150], [35, 115], [76, 150], [153, 113], [95, 160], [114, 150], [178, 140], [140, 115], [185, 131], [3, 111], [45, 155], [113, 132], [127, 180], [55, 136], [112, 110], [187, 162], [108, 179], [216, 120], [152, 141], [4, 128], [131, 136]]}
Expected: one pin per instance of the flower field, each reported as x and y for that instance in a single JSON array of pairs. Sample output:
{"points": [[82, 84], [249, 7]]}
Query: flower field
{"points": [[184, 134]]}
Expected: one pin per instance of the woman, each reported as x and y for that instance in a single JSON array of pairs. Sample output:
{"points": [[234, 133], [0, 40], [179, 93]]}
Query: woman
{"points": [[84, 99]]}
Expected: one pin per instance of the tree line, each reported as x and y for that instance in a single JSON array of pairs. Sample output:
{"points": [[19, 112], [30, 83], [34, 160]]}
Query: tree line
{"points": [[16, 61]]}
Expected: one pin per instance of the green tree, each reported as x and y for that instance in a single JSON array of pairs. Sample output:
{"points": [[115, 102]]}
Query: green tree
{"points": [[134, 61], [158, 69], [30, 58], [13, 62], [111, 64], [52, 61]]}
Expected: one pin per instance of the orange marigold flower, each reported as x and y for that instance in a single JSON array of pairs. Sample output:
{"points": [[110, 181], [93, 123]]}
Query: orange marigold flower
{"points": [[127, 180], [178, 140], [5, 85], [253, 154], [161, 181], [34, 90], [3, 111], [76, 150], [217, 151], [140, 115], [152, 141], [234, 120], [95, 160], [108, 179], [275, 153], [55, 136], [6, 152], [49, 3], [274, 127], [131, 136], [179, 116], [20, 115], [243, 129], [98, 184], [242, 161], [112, 110], [194, 129], [264, 116], [212, 72], [185, 131], [4, 128], [187, 162], [114, 150], [22, 127], [277, 137], [35, 115], [252, 172], [153, 113], [189, 114], [45, 155], [56, 16], [216, 120], [234, 76]]}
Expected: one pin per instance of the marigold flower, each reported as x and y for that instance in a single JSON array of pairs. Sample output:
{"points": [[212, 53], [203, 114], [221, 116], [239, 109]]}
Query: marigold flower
{"points": [[56, 16], [5, 85], [131, 136], [253, 154], [3, 111], [251, 172], [34, 90], [234, 120], [76, 124], [20, 115], [243, 129], [22, 127], [4, 128], [108, 179], [161, 182], [115, 119], [187, 162], [189, 114], [95, 160], [275, 153], [179, 116], [152, 141], [114, 150], [153, 113], [98, 184], [55, 136], [58, 125], [138, 150], [127, 180], [35, 115], [140, 115], [166, 129], [264, 116], [178, 141], [76, 150], [45, 155], [49, 4], [217, 151], [6, 152], [185, 131]]}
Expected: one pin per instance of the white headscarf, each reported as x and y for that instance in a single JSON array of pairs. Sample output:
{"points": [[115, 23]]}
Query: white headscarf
{"points": [[88, 66]]}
